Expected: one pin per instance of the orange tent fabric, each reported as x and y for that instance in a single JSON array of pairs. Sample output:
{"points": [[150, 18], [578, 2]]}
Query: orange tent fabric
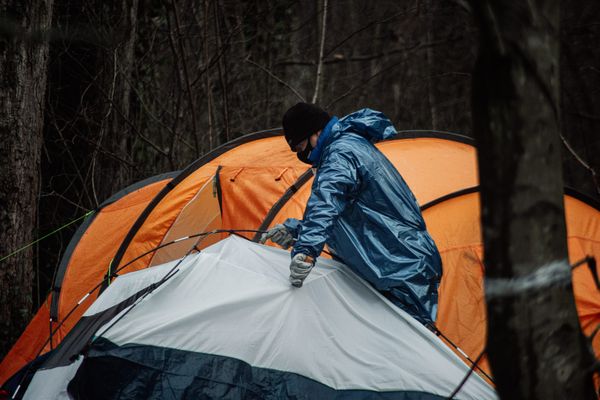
{"points": [[251, 177], [236, 187], [455, 226], [86, 267], [29, 343]]}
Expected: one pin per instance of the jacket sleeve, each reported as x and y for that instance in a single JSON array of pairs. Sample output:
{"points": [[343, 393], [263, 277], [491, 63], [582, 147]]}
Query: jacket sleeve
{"points": [[334, 187], [293, 226]]}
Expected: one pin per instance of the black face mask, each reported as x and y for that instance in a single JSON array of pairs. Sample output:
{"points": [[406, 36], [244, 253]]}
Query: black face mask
{"points": [[303, 155]]}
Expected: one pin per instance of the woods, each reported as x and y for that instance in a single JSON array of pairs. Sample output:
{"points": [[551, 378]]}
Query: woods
{"points": [[98, 95]]}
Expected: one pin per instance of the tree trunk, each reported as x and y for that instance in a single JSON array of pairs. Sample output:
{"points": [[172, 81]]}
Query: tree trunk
{"points": [[23, 60], [535, 345]]}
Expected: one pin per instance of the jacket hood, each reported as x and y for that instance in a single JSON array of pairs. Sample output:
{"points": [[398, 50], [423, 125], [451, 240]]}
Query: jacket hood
{"points": [[371, 124]]}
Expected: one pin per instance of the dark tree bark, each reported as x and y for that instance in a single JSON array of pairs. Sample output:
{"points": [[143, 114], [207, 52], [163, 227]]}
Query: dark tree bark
{"points": [[535, 345], [23, 59]]}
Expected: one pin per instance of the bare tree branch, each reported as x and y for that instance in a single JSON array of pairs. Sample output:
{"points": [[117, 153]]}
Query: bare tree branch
{"points": [[111, 96], [112, 155], [222, 69], [582, 162], [363, 83], [272, 75], [586, 115], [206, 73], [185, 71], [74, 163], [177, 73], [62, 197], [322, 47], [365, 27], [366, 57]]}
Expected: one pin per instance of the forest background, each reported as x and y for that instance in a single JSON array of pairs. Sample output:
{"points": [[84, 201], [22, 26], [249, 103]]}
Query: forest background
{"points": [[97, 95]]}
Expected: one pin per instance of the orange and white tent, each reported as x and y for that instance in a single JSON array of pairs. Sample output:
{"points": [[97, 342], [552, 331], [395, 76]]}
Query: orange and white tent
{"points": [[254, 182]]}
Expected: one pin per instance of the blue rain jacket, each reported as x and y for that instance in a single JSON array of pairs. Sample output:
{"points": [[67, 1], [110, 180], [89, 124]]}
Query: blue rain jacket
{"points": [[365, 212]]}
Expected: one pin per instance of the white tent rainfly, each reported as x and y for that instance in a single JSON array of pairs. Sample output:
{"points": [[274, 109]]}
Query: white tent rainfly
{"points": [[226, 323]]}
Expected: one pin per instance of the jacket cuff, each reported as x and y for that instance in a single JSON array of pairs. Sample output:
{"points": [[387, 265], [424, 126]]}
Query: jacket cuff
{"points": [[293, 226]]}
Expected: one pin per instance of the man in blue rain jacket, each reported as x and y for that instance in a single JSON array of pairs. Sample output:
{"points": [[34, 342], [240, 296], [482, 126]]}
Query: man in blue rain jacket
{"points": [[361, 208]]}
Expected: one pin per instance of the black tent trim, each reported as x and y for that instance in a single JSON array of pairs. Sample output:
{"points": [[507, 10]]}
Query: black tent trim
{"points": [[584, 198], [568, 191], [458, 193], [418, 134]]}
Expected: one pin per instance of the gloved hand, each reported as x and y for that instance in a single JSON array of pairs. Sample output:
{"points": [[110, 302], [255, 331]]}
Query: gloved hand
{"points": [[278, 234], [300, 268]]}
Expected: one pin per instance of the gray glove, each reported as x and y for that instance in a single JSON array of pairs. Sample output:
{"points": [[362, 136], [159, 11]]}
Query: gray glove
{"points": [[278, 234], [300, 268]]}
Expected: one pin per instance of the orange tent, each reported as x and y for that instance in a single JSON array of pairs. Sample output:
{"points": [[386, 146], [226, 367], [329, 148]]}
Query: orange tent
{"points": [[255, 182]]}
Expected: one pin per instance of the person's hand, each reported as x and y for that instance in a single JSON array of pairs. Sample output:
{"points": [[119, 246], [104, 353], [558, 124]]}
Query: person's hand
{"points": [[278, 234], [300, 268]]}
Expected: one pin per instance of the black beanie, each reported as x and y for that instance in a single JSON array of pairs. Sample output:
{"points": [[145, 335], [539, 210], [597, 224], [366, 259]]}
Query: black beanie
{"points": [[301, 121]]}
